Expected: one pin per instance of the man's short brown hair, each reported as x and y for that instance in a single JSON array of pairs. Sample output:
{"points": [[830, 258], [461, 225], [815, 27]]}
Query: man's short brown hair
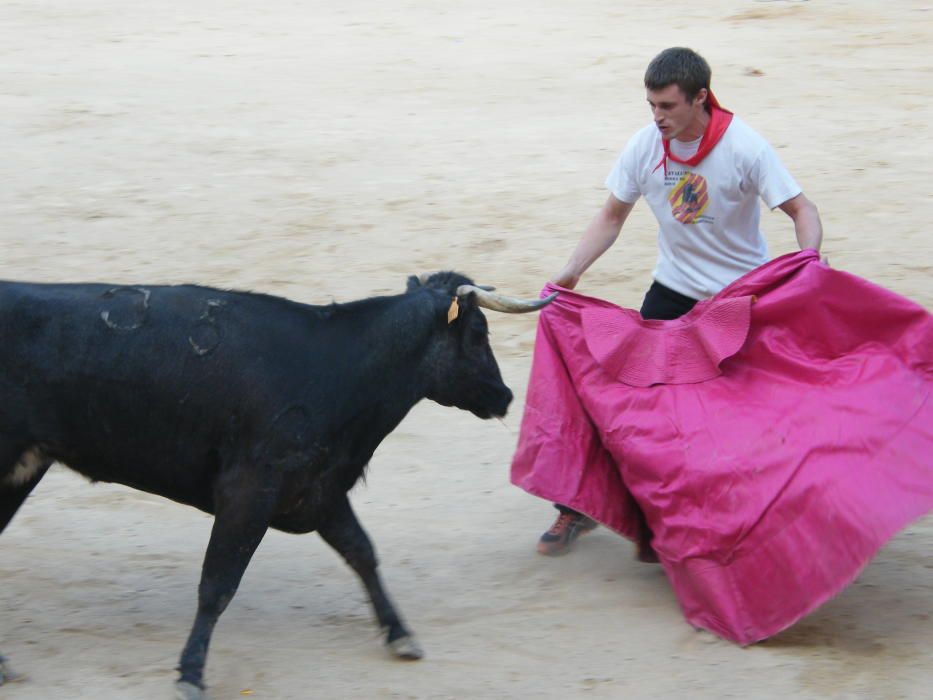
{"points": [[678, 66]]}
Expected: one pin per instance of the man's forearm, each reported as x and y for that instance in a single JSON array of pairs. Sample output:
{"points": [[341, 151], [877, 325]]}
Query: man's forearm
{"points": [[809, 228], [806, 218], [596, 240], [599, 235]]}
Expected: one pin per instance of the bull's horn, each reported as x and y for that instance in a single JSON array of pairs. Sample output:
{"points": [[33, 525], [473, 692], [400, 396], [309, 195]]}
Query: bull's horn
{"points": [[424, 276], [498, 302]]}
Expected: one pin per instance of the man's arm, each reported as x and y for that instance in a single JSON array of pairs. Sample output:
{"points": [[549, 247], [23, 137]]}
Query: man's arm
{"points": [[596, 240], [806, 220]]}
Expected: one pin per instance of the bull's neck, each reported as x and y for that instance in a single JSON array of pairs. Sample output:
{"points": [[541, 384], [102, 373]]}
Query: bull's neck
{"points": [[384, 377]]}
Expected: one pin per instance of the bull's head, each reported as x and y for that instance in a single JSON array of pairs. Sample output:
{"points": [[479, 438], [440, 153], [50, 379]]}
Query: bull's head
{"points": [[461, 367]]}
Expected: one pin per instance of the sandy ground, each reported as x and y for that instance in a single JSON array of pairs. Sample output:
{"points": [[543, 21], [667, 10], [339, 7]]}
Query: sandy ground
{"points": [[323, 153]]}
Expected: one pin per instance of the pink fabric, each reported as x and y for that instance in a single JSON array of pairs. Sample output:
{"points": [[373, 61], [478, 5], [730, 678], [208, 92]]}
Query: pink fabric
{"points": [[641, 353], [772, 465]]}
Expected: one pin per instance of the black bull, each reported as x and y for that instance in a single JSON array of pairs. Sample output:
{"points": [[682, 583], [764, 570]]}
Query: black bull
{"points": [[259, 410]]}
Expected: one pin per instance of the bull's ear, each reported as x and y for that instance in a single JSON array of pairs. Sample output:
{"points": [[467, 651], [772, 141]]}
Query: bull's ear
{"points": [[413, 284], [467, 299], [465, 302], [460, 305], [453, 311]]}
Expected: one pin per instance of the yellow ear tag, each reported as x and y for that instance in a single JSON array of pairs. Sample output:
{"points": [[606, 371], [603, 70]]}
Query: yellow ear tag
{"points": [[453, 311]]}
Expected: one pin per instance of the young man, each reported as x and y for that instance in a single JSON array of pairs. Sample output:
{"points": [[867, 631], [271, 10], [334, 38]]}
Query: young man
{"points": [[701, 170]]}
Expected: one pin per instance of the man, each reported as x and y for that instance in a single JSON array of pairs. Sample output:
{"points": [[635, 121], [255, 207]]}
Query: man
{"points": [[702, 170]]}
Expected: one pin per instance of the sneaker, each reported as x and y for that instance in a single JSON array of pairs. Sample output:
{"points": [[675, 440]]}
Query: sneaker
{"points": [[565, 530]]}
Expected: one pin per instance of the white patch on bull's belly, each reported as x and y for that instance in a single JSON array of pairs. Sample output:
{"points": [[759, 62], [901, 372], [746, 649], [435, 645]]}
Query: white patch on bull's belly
{"points": [[30, 463]]}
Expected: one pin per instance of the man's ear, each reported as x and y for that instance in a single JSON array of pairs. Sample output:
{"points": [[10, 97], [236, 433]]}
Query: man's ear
{"points": [[413, 284]]}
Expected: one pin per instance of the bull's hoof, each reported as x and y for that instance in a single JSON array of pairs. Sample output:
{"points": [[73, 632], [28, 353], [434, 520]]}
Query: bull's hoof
{"points": [[7, 675], [188, 691], [406, 648]]}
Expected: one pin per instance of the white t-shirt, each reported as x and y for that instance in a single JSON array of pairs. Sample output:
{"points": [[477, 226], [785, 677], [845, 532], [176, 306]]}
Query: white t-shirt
{"points": [[708, 214]]}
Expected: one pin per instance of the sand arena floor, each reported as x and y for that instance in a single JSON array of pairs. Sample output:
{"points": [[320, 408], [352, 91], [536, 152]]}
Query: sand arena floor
{"points": [[324, 151]]}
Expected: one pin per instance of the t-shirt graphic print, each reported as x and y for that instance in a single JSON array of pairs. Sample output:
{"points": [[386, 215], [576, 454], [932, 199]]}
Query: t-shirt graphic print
{"points": [[689, 198]]}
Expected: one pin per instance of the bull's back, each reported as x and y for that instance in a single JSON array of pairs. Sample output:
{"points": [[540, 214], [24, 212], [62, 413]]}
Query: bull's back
{"points": [[147, 386]]}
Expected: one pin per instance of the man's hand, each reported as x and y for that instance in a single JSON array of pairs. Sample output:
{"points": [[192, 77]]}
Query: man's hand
{"points": [[566, 278]]}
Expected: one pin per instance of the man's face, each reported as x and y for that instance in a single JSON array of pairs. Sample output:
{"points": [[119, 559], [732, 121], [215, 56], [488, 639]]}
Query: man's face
{"points": [[675, 116]]}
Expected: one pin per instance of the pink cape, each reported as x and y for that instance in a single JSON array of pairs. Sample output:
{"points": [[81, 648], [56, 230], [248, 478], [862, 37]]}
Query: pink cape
{"points": [[775, 437]]}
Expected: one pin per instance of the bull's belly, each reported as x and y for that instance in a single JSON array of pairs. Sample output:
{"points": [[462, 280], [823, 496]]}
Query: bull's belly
{"points": [[307, 493], [190, 485], [295, 525], [308, 496], [304, 510]]}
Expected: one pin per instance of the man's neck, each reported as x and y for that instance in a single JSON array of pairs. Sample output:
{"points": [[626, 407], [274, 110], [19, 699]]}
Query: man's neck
{"points": [[696, 129]]}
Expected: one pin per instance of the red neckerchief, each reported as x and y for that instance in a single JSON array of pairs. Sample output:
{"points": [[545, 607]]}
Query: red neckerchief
{"points": [[719, 120]]}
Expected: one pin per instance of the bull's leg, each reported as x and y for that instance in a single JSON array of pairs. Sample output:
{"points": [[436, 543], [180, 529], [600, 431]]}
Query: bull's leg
{"points": [[19, 473], [344, 533], [242, 511]]}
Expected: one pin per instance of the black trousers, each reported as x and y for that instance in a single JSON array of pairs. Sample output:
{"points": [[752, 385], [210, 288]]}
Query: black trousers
{"points": [[661, 303], [664, 304]]}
